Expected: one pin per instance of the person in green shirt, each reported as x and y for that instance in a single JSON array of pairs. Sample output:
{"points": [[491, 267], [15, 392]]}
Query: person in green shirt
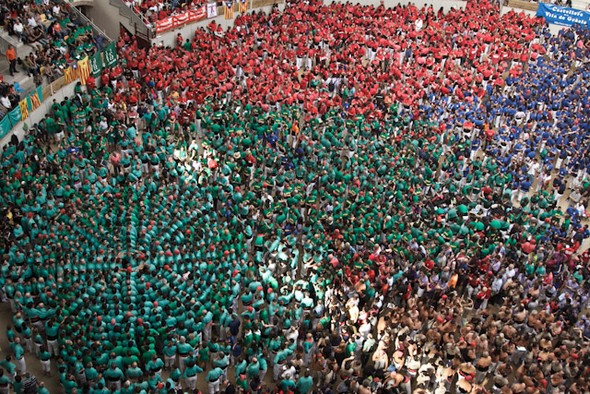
{"points": [[169, 355], [114, 377], [45, 358], [304, 383], [9, 366], [253, 369], [41, 389], [190, 374], [5, 382], [69, 384], [18, 385], [91, 373], [51, 332], [19, 356], [222, 362], [213, 380], [184, 350], [155, 365]]}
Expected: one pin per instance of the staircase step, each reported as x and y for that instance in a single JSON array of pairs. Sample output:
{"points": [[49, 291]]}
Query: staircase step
{"points": [[11, 40]]}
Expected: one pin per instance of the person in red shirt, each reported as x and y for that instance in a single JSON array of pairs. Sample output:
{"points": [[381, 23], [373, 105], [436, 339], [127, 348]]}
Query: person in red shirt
{"points": [[90, 83], [472, 284], [482, 297], [105, 78]]}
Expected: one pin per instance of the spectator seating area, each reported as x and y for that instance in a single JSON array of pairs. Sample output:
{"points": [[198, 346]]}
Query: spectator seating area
{"points": [[54, 37], [154, 10]]}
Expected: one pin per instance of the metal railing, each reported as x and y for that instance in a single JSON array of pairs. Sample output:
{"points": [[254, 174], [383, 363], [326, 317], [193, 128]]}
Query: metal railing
{"points": [[142, 26], [87, 21]]}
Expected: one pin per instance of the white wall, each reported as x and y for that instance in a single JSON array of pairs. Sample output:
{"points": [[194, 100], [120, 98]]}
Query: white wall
{"points": [[581, 4], [38, 114], [169, 38], [436, 4], [107, 18], [506, 9]]}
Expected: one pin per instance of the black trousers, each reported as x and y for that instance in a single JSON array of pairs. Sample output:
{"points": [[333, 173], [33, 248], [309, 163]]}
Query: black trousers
{"points": [[12, 67]]}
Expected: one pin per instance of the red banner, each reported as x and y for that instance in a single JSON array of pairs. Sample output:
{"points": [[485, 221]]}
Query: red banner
{"points": [[198, 14], [181, 19], [176, 21], [165, 24]]}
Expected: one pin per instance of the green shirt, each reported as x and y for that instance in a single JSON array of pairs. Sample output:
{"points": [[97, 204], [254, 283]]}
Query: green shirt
{"points": [[214, 374]]}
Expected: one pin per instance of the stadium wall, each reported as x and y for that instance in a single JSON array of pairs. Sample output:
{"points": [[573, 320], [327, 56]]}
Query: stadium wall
{"points": [[58, 90], [169, 38], [108, 18]]}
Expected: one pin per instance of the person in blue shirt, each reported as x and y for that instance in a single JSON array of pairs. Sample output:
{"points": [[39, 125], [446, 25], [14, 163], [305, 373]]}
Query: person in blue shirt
{"points": [[524, 187]]}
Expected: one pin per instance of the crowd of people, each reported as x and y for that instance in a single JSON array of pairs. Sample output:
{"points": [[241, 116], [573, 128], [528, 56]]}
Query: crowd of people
{"points": [[155, 10], [330, 198], [58, 35], [9, 98]]}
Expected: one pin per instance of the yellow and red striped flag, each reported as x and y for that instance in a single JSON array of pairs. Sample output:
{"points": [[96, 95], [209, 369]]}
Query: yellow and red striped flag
{"points": [[243, 6], [84, 70], [24, 109], [229, 9], [35, 102]]}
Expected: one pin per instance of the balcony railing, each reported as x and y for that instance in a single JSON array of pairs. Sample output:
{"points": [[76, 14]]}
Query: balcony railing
{"points": [[142, 26]]}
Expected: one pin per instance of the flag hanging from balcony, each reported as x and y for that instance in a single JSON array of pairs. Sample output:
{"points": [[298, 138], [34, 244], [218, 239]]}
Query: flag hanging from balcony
{"points": [[24, 109], [69, 74], [243, 6], [35, 101], [229, 9], [84, 70]]}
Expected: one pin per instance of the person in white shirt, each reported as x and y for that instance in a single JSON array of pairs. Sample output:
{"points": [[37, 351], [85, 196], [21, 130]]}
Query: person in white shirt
{"points": [[510, 273], [19, 29], [497, 285], [32, 21], [5, 102]]}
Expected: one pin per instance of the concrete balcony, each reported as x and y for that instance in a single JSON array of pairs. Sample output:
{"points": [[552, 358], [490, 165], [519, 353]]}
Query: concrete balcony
{"points": [[78, 3]]}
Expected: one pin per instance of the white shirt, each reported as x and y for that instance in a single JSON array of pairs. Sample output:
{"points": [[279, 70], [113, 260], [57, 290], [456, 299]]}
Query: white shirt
{"points": [[18, 27], [289, 373], [32, 21], [419, 24], [497, 285], [5, 102], [103, 124], [365, 329]]}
